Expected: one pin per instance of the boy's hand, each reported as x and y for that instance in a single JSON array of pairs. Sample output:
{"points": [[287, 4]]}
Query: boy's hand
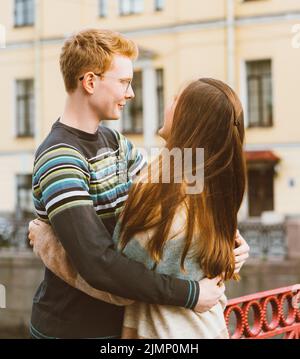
{"points": [[37, 231], [211, 290]]}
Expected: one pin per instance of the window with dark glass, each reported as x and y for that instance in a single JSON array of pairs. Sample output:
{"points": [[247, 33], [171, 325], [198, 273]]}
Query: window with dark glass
{"points": [[159, 5], [259, 93], [260, 189], [24, 193], [103, 8], [160, 96], [130, 7], [133, 111], [25, 108], [24, 13]]}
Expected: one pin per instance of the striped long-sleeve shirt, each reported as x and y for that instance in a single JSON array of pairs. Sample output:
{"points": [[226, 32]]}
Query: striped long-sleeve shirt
{"points": [[80, 184]]}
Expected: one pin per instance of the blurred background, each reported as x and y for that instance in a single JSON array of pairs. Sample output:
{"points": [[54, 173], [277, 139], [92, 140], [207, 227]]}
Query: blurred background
{"points": [[253, 45]]}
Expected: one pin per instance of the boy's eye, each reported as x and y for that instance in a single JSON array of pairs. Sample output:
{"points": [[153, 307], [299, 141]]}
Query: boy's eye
{"points": [[125, 82]]}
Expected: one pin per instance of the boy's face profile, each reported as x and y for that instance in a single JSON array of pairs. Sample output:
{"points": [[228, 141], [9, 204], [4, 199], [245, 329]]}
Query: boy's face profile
{"points": [[113, 89]]}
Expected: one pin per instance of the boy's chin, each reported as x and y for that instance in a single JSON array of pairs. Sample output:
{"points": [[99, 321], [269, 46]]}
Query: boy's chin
{"points": [[113, 118]]}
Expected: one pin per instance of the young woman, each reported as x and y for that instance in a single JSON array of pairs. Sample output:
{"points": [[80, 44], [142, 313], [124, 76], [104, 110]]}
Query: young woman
{"points": [[162, 225]]}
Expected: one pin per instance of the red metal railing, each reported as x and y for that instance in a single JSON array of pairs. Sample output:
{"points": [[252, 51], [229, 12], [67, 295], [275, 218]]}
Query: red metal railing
{"points": [[282, 305]]}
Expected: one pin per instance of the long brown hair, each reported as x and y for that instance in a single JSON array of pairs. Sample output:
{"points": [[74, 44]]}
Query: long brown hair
{"points": [[208, 115]]}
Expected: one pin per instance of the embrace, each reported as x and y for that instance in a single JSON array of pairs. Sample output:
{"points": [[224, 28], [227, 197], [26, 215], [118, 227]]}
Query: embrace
{"points": [[125, 257]]}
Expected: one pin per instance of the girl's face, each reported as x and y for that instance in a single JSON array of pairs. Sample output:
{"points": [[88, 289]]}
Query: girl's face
{"points": [[165, 131]]}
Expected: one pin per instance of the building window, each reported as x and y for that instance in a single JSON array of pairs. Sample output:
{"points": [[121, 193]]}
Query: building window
{"points": [[24, 194], [129, 7], [260, 98], [260, 189], [133, 111], [25, 108], [24, 13], [103, 8], [160, 96], [159, 5]]}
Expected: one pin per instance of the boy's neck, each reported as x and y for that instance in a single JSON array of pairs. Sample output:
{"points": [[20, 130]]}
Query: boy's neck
{"points": [[77, 114]]}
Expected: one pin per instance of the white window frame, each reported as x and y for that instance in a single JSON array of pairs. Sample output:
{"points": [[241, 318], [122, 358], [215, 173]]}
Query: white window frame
{"points": [[131, 7], [31, 130], [159, 5], [24, 13], [103, 8]]}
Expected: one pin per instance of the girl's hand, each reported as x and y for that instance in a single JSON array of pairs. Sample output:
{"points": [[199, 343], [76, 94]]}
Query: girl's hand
{"points": [[241, 252]]}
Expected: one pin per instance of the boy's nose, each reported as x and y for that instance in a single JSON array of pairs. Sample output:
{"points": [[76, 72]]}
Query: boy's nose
{"points": [[129, 93]]}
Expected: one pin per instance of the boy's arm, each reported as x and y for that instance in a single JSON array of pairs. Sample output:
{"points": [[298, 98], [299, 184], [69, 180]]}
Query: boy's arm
{"points": [[63, 182], [50, 250]]}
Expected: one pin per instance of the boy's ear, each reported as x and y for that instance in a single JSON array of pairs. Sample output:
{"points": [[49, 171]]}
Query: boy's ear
{"points": [[88, 82]]}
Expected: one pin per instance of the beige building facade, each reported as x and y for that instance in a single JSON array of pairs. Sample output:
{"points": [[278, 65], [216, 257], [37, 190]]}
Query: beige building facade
{"points": [[252, 45]]}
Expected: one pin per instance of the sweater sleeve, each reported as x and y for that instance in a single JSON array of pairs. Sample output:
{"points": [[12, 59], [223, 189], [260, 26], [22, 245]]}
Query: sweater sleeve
{"points": [[61, 181]]}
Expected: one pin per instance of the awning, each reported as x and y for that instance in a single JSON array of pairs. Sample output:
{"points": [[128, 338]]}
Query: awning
{"points": [[261, 156]]}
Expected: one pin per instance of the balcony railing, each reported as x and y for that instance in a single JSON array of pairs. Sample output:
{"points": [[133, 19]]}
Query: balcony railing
{"points": [[274, 313]]}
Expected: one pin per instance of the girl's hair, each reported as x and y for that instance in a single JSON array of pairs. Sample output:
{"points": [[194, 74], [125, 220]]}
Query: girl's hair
{"points": [[92, 50], [208, 115]]}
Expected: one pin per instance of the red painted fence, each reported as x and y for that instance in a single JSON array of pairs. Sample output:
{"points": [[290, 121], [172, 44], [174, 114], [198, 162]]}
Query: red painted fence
{"points": [[274, 312]]}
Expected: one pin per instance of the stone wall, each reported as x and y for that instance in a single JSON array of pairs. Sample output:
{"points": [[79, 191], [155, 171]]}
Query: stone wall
{"points": [[293, 237], [20, 273]]}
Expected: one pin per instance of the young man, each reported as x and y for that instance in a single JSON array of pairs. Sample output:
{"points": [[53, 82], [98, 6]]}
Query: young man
{"points": [[76, 188]]}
